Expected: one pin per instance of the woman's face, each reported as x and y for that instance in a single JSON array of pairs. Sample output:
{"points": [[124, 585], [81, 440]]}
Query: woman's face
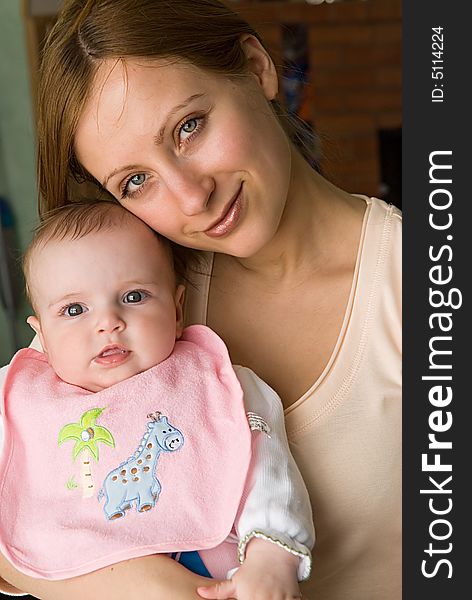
{"points": [[200, 158]]}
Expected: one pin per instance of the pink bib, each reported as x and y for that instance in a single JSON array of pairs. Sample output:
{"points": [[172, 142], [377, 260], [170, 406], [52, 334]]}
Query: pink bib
{"points": [[156, 463]]}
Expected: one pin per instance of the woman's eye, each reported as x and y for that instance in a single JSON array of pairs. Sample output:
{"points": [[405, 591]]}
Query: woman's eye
{"points": [[73, 310], [133, 185], [138, 179], [189, 128], [133, 297]]}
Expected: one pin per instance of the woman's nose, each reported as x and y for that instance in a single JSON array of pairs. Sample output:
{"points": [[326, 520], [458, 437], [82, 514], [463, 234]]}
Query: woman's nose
{"points": [[192, 190]]}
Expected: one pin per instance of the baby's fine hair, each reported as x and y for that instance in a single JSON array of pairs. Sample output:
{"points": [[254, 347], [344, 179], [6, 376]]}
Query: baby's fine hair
{"points": [[79, 219]]}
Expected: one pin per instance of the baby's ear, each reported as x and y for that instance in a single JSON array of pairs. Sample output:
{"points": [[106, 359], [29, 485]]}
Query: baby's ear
{"points": [[35, 325]]}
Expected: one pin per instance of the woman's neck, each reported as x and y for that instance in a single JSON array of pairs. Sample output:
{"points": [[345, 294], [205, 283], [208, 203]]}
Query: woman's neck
{"points": [[316, 223]]}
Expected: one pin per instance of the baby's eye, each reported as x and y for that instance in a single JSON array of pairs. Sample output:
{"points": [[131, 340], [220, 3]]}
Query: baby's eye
{"points": [[73, 310], [133, 297]]}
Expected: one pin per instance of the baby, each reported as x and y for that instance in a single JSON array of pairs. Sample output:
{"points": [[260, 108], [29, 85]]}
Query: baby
{"points": [[155, 415]]}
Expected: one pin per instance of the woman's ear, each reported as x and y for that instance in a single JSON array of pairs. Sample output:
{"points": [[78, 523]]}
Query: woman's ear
{"points": [[179, 310], [261, 65], [35, 325]]}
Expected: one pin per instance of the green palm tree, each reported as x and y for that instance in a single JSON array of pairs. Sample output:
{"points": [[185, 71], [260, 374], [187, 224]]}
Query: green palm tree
{"points": [[87, 435]]}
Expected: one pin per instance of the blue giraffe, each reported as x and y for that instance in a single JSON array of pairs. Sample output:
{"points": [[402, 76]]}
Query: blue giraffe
{"points": [[135, 480]]}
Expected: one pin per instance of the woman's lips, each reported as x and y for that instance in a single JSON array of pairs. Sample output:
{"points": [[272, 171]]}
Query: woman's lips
{"points": [[230, 218], [112, 356]]}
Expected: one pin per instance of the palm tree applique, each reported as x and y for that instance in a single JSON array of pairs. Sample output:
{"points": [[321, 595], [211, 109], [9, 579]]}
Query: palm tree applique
{"points": [[87, 434]]}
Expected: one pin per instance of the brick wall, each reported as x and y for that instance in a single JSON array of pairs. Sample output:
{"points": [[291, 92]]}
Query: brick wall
{"points": [[356, 78]]}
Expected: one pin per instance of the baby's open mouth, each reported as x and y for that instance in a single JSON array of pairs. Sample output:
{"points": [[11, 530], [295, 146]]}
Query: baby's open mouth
{"points": [[111, 352], [112, 355]]}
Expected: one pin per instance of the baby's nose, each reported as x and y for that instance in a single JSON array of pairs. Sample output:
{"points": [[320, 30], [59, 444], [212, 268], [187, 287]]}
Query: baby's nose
{"points": [[110, 322]]}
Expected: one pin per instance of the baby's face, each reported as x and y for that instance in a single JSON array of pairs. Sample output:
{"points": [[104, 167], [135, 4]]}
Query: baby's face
{"points": [[106, 305]]}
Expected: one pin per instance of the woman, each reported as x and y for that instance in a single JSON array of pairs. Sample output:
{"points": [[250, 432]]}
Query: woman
{"points": [[170, 107]]}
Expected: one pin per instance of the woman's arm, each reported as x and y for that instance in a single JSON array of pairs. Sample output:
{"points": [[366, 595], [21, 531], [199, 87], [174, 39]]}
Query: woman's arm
{"points": [[156, 577]]}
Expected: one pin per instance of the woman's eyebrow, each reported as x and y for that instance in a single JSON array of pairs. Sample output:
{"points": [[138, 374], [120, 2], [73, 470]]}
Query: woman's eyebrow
{"points": [[158, 138], [116, 171]]}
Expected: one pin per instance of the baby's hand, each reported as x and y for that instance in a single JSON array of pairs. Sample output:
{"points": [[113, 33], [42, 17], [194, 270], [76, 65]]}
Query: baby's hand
{"points": [[268, 573]]}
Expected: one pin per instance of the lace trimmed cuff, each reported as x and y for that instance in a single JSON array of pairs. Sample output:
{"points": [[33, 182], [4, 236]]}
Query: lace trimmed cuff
{"points": [[284, 542]]}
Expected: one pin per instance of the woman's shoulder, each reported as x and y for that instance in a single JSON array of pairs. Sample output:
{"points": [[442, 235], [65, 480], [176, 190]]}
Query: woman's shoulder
{"points": [[384, 227], [382, 209], [383, 257]]}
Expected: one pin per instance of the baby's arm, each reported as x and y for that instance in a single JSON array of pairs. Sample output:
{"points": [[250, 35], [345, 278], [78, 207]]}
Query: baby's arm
{"points": [[268, 573], [275, 526]]}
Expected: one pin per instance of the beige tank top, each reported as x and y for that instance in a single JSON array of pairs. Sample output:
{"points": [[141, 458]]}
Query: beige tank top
{"points": [[345, 431]]}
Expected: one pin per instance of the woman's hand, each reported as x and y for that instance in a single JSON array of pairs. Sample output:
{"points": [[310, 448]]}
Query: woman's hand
{"points": [[156, 577]]}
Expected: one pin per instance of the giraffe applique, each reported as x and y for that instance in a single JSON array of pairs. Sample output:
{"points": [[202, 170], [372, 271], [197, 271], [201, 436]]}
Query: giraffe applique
{"points": [[135, 481]]}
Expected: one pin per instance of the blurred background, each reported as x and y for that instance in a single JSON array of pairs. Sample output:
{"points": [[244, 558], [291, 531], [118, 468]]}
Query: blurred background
{"points": [[340, 66]]}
